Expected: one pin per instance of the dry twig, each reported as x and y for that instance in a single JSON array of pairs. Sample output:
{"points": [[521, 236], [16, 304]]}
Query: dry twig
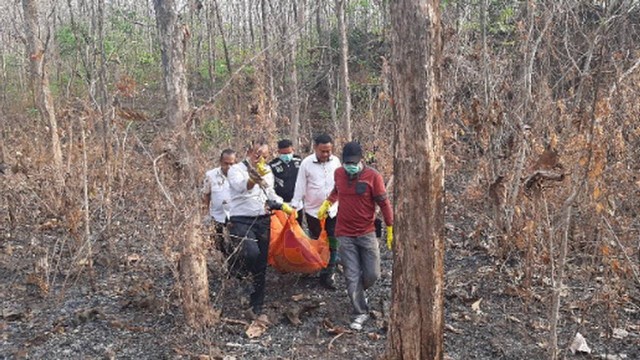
{"points": [[635, 273], [334, 339], [155, 172]]}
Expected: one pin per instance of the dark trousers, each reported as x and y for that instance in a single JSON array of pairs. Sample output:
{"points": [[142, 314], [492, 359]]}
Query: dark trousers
{"points": [[313, 224], [252, 236], [221, 240]]}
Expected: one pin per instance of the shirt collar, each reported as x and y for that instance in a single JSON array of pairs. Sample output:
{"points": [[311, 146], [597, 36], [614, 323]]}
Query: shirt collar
{"points": [[316, 161], [219, 173]]}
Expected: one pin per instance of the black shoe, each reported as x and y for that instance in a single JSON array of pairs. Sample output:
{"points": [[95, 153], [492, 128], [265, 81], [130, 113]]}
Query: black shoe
{"points": [[328, 281], [257, 309]]}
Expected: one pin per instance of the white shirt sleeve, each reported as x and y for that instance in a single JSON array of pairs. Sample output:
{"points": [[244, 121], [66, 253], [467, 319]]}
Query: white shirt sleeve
{"points": [[238, 179], [269, 179]]}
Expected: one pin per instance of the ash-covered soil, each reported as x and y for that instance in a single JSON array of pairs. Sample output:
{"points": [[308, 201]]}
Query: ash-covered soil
{"points": [[130, 310]]}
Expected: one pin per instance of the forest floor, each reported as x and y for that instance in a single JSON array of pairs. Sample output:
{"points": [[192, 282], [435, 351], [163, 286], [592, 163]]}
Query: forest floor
{"points": [[131, 313], [129, 308]]}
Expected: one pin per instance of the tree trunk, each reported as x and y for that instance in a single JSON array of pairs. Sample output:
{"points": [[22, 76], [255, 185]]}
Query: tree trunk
{"points": [[173, 40], [417, 313], [268, 62], [250, 20], [344, 69], [40, 84], [211, 45], [295, 95], [3, 75], [106, 111], [193, 269], [326, 61], [227, 59], [333, 107]]}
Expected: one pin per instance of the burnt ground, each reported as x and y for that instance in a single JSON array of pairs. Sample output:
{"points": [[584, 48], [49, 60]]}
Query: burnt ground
{"points": [[128, 306], [133, 313]]}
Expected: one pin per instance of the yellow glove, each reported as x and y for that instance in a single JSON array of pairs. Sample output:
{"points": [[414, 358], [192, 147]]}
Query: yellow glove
{"points": [[289, 210], [262, 167], [324, 209], [389, 237]]}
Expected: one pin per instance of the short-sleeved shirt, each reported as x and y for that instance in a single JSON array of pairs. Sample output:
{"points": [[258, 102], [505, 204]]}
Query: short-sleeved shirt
{"points": [[285, 174], [216, 185], [357, 199]]}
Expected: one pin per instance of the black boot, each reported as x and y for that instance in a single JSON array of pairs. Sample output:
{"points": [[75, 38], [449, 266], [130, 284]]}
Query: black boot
{"points": [[256, 302], [327, 279]]}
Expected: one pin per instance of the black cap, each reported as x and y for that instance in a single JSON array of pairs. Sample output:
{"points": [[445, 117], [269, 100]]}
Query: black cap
{"points": [[351, 152]]}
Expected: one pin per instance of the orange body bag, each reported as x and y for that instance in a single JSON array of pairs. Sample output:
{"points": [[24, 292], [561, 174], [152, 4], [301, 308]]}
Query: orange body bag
{"points": [[291, 250]]}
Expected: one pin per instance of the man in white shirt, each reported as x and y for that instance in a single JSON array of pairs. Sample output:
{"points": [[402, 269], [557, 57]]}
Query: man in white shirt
{"points": [[313, 185], [215, 195], [252, 199]]}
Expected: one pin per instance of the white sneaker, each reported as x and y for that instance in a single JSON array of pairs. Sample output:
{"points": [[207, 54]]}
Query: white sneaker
{"points": [[359, 321]]}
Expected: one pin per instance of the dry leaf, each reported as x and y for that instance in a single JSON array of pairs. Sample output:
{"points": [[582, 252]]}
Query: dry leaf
{"points": [[338, 330], [294, 316], [180, 351], [579, 344], [258, 327], [327, 323], [476, 306], [133, 258], [620, 333], [612, 357], [49, 224]]}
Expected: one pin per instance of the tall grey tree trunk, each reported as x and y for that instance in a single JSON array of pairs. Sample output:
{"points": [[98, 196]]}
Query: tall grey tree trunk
{"points": [[173, 41], [3, 75], [295, 95], [193, 269], [324, 37], [268, 62], [417, 313], [40, 84], [106, 111], [227, 59], [344, 69], [211, 44], [250, 23]]}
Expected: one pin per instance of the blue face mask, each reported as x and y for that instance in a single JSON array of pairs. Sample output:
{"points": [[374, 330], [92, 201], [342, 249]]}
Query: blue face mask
{"points": [[286, 157], [352, 169]]}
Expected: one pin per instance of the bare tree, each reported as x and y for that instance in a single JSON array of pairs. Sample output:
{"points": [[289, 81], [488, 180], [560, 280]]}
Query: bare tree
{"points": [[227, 59], [193, 269], [268, 62], [40, 83], [344, 69], [295, 95], [211, 44], [417, 314]]}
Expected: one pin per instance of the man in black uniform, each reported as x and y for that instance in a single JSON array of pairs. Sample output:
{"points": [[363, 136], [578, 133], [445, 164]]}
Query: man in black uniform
{"points": [[285, 171]]}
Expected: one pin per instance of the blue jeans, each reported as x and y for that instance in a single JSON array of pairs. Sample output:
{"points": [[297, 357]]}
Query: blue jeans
{"points": [[360, 258]]}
